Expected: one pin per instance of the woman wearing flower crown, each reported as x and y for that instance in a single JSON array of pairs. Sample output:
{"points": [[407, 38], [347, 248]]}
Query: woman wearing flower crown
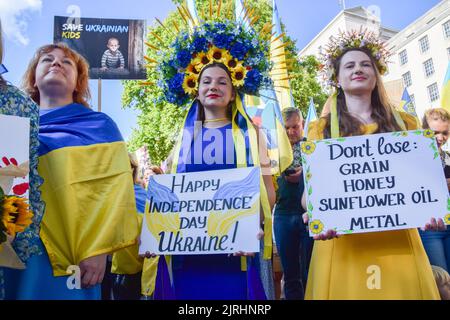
{"points": [[339, 266], [214, 66]]}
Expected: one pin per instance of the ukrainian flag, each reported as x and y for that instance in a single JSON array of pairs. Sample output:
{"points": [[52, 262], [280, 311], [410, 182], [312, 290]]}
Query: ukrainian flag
{"points": [[88, 187], [312, 115], [445, 99], [407, 105]]}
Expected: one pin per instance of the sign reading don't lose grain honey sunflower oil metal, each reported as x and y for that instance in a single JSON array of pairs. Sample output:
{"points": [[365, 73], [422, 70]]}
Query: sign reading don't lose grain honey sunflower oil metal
{"points": [[374, 183]]}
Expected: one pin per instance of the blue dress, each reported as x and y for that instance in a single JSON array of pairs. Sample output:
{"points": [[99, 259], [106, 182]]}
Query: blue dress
{"points": [[219, 276], [16, 103]]}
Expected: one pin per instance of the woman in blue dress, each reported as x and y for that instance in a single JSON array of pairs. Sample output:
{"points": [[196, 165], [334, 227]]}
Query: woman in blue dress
{"points": [[218, 135]]}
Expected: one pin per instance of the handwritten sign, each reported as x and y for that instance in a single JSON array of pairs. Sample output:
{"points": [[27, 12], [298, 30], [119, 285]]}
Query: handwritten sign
{"points": [[208, 212], [374, 183]]}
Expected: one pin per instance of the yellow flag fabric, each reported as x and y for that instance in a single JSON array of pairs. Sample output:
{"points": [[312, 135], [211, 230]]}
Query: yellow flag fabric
{"points": [[127, 260], [88, 191], [445, 99]]}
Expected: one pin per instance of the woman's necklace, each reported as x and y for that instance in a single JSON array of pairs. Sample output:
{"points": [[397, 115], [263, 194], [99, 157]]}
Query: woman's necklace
{"points": [[215, 120]]}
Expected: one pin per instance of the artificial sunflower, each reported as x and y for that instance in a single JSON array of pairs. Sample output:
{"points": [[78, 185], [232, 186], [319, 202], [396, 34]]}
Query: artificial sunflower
{"points": [[238, 76], [308, 147], [447, 219], [316, 226], [200, 61], [217, 55], [192, 68], [190, 83], [428, 133]]}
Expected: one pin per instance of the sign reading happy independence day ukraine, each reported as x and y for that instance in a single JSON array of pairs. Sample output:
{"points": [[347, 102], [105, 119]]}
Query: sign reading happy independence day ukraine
{"points": [[373, 183], [206, 212]]}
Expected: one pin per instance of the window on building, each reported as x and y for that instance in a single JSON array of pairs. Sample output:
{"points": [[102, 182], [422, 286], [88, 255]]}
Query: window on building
{"points": [[407, 79], [428, 67], [424, 44], [403, 57], [433, 92], [446, 27]]}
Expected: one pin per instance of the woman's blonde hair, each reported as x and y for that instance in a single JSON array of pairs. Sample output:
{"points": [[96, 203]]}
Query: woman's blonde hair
{"points": [[81, 93], [440, 276]]}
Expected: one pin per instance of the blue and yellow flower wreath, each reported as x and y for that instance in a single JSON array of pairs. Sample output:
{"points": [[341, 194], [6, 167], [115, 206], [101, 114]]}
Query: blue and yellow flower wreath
{"points": [[242, 51]]}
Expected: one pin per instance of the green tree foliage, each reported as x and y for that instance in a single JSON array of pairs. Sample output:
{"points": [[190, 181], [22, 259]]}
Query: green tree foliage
{"points": [[159, 121]]}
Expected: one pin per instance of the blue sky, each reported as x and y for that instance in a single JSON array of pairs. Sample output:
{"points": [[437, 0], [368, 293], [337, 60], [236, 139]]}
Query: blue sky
{"points": [[28, 24]]}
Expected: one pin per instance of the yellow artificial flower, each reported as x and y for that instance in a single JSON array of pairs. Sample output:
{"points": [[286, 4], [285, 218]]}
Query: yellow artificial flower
{"points": [[200, 61], [308, 147], [238, 76], [428, 133], [447, 219], [217, 55], [192, 68], [316, 226], [190, 83]]}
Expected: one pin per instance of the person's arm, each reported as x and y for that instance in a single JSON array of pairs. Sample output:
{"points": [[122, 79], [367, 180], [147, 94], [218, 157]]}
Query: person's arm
{"points": [[104, 60], [122, 60]]}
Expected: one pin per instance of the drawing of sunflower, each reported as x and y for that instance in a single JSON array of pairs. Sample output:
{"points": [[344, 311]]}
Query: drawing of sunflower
{"points": [[308, 147], [316, 226], [447, 219], [428, 133]]}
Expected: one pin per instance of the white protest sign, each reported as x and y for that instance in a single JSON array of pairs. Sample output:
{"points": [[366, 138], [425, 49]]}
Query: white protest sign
{"points": [[208, 212], [373, 183], [14, 169], [14, 155]]}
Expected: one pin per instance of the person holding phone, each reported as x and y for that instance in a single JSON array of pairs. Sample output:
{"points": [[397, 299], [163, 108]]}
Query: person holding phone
{"points": [[291, 235]]}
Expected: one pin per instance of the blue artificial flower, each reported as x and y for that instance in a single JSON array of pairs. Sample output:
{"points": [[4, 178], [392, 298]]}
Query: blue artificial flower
{"points": [[238, 50], [220, 27], [183, 58], [176, 83], [222, 40], [253, 80], [199, 44]]}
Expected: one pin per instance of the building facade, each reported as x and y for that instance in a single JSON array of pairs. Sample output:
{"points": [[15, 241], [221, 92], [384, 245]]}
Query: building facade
{"points": [[420, 55]]}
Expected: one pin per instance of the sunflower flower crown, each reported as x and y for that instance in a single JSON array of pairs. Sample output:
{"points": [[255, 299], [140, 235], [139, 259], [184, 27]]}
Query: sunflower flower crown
{"points": [[241, 51], [15, 215], [348, 40]]}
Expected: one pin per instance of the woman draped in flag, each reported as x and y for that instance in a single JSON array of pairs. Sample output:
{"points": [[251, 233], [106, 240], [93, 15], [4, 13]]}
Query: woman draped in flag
{"points": [[16, 103], [210, 69], [87, 189], [353, 63]]}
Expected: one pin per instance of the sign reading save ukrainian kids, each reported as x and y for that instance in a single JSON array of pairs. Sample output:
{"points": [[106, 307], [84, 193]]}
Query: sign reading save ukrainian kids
{"points": [[208, 212], [373, 183]]}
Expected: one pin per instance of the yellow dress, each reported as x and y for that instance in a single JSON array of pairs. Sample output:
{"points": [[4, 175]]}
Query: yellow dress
{"points": [[377, 265]]}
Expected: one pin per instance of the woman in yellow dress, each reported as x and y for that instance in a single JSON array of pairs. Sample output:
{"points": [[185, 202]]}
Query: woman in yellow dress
{"points": [[376, 265]]}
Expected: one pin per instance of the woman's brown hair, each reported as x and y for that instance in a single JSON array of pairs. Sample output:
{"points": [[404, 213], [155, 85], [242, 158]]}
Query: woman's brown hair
{"points": [[350, 125], [81, 93]]}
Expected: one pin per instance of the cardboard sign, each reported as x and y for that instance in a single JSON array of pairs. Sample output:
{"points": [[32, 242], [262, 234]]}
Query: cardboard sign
{"points": [[210, 212], [374, 183]]}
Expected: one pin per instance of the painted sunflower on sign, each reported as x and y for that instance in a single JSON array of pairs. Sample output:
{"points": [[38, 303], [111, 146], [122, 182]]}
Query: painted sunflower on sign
{"points": [[447, 219], [428, 133], [308, 147], [316, 226]]}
